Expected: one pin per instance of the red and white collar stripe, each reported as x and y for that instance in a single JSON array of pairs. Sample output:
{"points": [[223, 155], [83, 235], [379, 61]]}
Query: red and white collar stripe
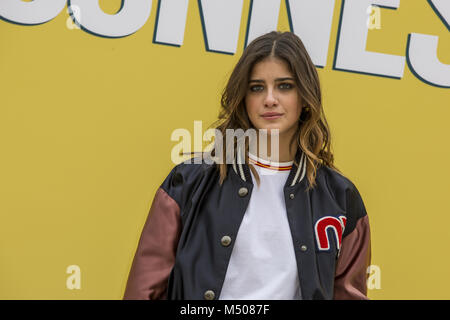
{"points": [[240, 167]]}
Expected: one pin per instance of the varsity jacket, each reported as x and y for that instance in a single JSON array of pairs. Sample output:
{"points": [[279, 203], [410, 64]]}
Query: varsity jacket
{"points": [[188, 237]]}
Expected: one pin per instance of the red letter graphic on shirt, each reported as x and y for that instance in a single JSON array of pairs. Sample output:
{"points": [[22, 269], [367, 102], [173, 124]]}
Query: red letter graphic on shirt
{"points": [[321, 227]]}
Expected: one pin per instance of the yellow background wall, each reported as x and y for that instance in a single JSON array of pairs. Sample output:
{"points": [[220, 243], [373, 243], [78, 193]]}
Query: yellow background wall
{"points": [[85, 126]]}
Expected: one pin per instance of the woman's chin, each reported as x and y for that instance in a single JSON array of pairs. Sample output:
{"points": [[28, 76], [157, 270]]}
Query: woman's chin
{"points": [[270, 130]]}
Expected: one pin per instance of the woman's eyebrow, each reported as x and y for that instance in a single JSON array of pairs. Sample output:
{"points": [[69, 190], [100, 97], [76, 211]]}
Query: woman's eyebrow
{"points": [[277, 79]]}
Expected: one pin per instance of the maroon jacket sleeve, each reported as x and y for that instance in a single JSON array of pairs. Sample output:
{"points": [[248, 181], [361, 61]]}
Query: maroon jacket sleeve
{"points": [[350, 281], [155, 254]]}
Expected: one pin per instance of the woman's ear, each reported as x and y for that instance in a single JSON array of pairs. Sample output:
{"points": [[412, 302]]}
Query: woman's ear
{"points": [[304, 114]]}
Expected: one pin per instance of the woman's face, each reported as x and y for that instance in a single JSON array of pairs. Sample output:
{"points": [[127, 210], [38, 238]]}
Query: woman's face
{"points": [[272, 100]]}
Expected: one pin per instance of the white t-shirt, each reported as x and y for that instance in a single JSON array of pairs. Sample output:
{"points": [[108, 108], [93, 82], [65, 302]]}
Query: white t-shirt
{"points": [[262, 264]]}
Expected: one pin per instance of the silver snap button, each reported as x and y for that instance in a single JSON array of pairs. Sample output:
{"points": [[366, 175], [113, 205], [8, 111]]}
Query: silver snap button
{"points": [[291, 196], [226, 240], [303, 248], [209, 295], [243, 192]]}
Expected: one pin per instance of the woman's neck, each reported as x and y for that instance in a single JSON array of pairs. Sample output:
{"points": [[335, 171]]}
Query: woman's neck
{"points": [[268, 150]]}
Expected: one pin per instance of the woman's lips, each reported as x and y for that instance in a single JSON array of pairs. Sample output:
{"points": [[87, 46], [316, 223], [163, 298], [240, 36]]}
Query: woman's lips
{"points": [[271, 116]]}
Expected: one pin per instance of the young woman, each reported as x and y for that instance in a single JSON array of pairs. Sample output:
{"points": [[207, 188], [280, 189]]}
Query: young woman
{"points": [[288, 226]]}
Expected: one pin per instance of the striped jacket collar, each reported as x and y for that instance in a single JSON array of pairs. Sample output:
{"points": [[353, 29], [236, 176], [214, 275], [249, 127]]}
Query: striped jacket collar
{"points": [[296, 175]]}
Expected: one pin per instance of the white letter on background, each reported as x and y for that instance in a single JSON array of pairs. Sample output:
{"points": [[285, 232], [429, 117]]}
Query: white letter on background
{"points": [[74, 280], [132, 16], [351, 52], [263, 18], [374, 278], [34, 12], [311, 21], [221, 20], [184, 145], [422, 52], [171, 22]]}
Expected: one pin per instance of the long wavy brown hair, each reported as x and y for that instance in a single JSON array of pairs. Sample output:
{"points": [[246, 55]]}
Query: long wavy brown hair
{"points": [[312, 135]]}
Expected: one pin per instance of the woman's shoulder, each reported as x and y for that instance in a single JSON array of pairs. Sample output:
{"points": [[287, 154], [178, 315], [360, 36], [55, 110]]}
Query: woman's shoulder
{"points": [[186, 173], [344, 193], [184, 178], [192, 169], [334, 178]]}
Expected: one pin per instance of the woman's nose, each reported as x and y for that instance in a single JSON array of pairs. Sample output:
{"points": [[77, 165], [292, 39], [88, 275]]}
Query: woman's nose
{"points": [[270, 98]]}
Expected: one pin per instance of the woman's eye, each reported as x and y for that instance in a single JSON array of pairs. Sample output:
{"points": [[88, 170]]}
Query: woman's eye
{"points": [[255, 88], [283, 86], [286, 86]]}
